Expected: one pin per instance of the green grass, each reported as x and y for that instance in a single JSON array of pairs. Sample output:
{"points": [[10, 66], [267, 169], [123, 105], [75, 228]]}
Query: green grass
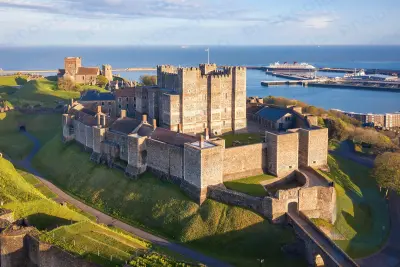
{"points": [[250, 186], [46, 191], [244, 139], [43, 92], [232, 234], [14, 143], [363, 216], [12, 80], [97, 243], [30, 178]]}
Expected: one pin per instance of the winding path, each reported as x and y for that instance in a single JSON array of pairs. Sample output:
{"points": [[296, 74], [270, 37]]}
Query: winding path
{"points": [[389, 255], [108, 220]]}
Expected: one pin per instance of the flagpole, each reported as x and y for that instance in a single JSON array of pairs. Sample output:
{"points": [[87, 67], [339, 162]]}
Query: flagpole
{"points": [[208, 56]]}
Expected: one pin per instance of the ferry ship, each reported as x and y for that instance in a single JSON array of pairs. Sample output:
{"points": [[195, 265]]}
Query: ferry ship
{"points": [[288, 67]]}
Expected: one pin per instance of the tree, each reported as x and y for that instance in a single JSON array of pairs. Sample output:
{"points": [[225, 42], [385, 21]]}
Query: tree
{"points": [[148, 80], [387, 171], [101, 81]]}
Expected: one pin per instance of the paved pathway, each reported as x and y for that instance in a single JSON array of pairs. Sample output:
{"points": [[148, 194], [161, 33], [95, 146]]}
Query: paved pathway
{"points": [[389, 255], [108, 220]]}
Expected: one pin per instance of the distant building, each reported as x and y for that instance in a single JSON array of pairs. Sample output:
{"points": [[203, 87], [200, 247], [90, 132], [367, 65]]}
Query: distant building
{"points": [[275, 118], [107, 72], [388, 120], [81, 75]]}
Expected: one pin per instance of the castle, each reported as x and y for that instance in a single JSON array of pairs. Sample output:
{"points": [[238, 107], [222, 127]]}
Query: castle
{"points": [[83, 75], [179, 147]]}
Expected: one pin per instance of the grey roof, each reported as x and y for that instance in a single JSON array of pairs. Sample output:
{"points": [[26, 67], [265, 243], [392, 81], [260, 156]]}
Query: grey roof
{"points": [[125, 125], [93, 95], [145, 130], [172, 138], [272, 114]]}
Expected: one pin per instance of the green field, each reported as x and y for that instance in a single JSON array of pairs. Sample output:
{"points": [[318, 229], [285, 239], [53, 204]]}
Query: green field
{"points": [[41, 92], [244, 139], [250, 186], [12, 80], [14, 143], [232, 234], [363, 216]]}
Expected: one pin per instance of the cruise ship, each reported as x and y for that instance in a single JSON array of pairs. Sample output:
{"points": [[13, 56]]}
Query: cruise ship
{"points": [[288, 67]]}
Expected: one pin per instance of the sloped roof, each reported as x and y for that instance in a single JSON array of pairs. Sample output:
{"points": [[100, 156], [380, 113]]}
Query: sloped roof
{"points": [[125, 125], [272, 114], [93, 95], [88, 71], [172, 138], [125, 92], [145, 130]]}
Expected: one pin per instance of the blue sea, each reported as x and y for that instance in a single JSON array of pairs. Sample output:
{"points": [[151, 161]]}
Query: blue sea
{"points": [[368, 57]]}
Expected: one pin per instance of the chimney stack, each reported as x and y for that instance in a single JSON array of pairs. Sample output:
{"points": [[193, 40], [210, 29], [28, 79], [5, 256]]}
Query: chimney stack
{"points": [[98, 120], [207, 134], [98, 109], [201, 141], [123, 113], [104, 121], [154, 124], [72, 102], [144, 118]]}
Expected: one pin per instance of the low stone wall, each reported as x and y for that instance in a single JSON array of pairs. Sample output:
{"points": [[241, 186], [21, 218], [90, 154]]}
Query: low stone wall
{"points": [[221, 194]]}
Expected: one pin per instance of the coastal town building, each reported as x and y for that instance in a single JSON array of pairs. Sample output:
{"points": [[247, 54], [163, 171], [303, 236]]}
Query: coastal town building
{"points": [[387, 121]]}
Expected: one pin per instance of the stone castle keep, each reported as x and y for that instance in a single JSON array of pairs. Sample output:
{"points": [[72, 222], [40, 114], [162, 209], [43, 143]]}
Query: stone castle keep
{"points": [[177, 139]]}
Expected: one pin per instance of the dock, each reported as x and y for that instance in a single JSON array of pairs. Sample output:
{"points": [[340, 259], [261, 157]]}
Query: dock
{"points": [[288, 82]]}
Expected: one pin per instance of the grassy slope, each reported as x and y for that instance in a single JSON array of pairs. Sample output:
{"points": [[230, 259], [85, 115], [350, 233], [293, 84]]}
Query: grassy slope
{"points": [[250, 186], [63, 226], [15, 144], [363, 216], [41, 92], [230, 233], [12, 80]]}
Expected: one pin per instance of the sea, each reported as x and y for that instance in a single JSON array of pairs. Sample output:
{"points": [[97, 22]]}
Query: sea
{"points": [[368, 57]]}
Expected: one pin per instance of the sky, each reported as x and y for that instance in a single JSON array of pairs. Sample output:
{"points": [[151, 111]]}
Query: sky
{"points": [[201, 22]]}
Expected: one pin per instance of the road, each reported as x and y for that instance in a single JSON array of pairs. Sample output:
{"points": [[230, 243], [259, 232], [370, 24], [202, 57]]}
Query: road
{"points": [[108, 220], [389, 255]]}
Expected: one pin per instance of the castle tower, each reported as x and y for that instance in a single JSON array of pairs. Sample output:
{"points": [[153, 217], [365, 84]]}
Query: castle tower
{"points": [[72, 64], [107, 72], [313, 148], [207, 68], [203, 167]]}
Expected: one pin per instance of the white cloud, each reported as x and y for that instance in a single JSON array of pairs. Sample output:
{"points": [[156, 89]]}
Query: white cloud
{"points": [[319, 22]]}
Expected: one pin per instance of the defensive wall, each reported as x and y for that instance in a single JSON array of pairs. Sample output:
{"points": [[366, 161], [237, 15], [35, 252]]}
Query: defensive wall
{"points": [[22, 248]]}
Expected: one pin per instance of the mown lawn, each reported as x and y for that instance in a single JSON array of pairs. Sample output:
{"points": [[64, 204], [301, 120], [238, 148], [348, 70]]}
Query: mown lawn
{"points": [[14, 143], [230, 233], [250, 186], [363, 216], [244, 139]]}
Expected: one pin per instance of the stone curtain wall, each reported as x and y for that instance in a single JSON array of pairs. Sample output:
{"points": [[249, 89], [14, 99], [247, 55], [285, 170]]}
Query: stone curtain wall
{"points": [[244, 161], [164, 160], [122, 141]]}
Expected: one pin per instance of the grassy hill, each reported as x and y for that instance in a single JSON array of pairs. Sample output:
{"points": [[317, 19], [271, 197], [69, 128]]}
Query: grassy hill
{"points": [[12, 80], [232, 234], [14, 143], [69, 229], [363, 216]]}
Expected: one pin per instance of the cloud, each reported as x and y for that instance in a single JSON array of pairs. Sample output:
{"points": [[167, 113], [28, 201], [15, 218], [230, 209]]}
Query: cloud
{"points": [[320, 22]]}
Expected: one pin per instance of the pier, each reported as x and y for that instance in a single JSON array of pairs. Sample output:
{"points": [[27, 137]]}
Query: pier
{"points": [[288, 82]]}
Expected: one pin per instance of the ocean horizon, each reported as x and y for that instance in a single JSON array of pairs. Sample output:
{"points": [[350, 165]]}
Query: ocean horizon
{"points": [[348, 56]]}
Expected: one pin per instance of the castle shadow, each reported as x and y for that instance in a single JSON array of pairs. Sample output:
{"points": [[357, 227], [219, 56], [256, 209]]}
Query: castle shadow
{"points": [[47, 222], [248, 245]]}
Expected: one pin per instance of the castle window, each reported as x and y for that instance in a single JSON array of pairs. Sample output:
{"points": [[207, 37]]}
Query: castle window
{"points": [[127, 99], [290, 167], [127, 106], [102, 103], [119, 99], [109, 103], [314, 162], [119, 106]]}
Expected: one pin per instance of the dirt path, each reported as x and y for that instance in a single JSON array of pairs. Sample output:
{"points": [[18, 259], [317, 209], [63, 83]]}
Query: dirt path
{"points": [[108, 220]]}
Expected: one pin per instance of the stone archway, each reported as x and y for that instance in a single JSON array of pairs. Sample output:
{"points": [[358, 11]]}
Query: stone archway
{"points": [[319, 261], [22, 128]]}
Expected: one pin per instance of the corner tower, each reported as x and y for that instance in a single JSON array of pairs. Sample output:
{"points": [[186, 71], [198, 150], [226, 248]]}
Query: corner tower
{"points": [[72, 64]]}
